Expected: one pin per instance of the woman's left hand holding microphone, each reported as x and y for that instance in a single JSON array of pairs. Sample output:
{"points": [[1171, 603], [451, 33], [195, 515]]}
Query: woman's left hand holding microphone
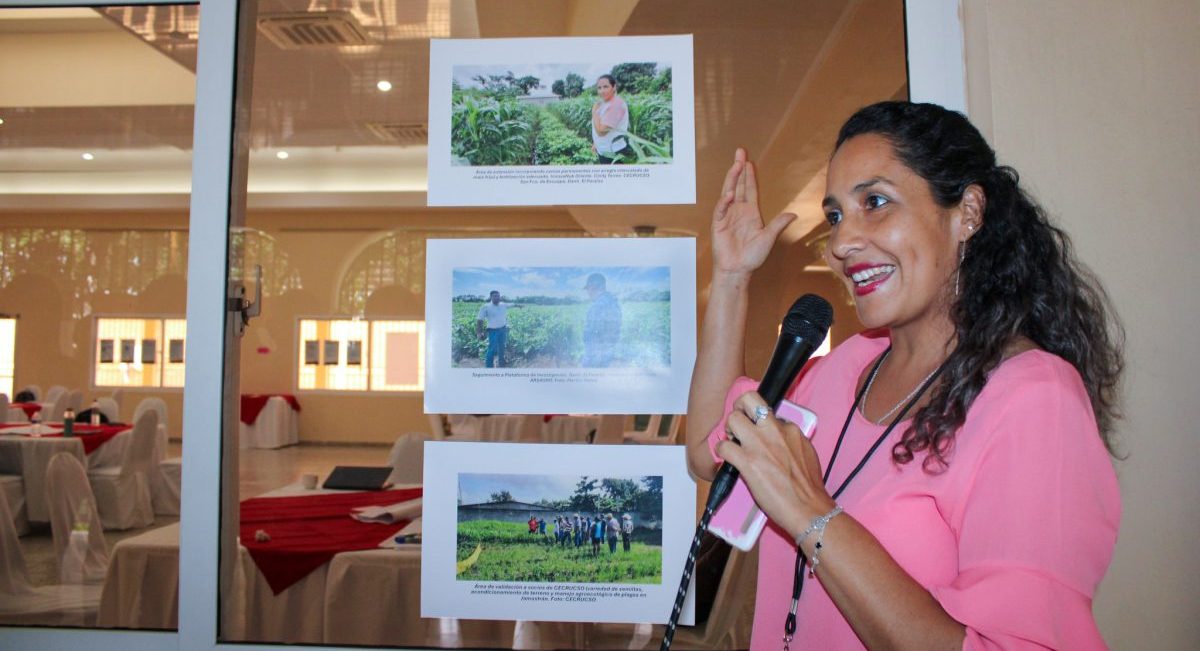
{"points": [[778, 464]]}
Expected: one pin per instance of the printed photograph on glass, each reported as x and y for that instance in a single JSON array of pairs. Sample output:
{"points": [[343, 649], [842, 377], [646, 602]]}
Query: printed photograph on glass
{"points": [[598, 113], [560, 528], [561, 317]]}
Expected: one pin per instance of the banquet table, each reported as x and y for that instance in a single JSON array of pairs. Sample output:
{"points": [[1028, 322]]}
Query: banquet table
{"points": [[28, 457], [269, 421], [141, 589], [369, 597]]}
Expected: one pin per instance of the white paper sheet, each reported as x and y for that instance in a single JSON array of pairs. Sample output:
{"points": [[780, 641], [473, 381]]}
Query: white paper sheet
{"points": [[509, 145], [562, 353], [462, 478]]}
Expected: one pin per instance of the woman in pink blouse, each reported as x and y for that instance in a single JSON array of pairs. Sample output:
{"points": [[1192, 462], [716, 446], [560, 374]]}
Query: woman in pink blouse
{"points": [[970, 502]]}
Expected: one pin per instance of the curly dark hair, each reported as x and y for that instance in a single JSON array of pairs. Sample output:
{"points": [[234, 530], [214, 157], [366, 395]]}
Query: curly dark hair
{"points": [[1018, 274]]}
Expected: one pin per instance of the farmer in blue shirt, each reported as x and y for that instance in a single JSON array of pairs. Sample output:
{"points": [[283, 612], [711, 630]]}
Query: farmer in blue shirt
{"points": [[602, 326]]}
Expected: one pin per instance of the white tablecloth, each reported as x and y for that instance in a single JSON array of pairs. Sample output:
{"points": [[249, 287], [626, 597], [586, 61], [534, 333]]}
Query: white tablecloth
{"points": [[277, 425], [367, 597], [507, 428], [500, 428], [28, 457], [142, 586]]}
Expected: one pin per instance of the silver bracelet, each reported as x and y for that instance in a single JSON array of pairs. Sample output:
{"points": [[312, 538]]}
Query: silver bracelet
{"points": [[818, 524]]}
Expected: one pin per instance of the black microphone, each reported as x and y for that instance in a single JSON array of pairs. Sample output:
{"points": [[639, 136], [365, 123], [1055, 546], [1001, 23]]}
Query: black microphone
{"points": [[804, 328]]}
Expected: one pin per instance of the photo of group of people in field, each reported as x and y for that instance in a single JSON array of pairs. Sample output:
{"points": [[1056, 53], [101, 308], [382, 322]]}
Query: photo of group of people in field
{"points": [[560, 528]]}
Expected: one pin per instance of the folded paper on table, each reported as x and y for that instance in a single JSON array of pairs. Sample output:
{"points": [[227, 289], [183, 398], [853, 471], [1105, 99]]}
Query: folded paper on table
{"points": [[389, 514]]}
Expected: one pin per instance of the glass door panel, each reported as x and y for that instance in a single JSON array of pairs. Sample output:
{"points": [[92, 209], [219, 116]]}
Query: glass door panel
{"points": [[96, 120], [332, 115]]}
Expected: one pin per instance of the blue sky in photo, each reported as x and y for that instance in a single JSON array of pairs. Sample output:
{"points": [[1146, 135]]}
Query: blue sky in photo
{"points": [[475, 489], [547, 73], [556, 281]]}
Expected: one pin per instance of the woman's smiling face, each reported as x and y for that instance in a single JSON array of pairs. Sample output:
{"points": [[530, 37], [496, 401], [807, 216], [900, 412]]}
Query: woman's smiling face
{"points": [[894, 246]]}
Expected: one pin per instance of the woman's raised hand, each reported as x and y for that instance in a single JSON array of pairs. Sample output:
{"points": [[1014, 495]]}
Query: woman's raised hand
{"points": [[741, 241]]}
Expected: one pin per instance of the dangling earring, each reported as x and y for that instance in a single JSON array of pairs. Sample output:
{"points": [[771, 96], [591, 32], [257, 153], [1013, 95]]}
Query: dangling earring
{"points": [[962, 255]]}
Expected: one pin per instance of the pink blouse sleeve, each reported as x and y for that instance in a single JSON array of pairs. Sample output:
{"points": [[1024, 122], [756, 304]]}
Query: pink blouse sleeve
{"points": [[741, 385], [1038, 520]]}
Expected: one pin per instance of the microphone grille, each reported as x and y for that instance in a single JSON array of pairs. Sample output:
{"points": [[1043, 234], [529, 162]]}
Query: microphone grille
{"points": [[810, 316]]}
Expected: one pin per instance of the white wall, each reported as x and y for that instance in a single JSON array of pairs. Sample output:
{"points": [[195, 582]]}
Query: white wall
{"points": [[1097, 104]]}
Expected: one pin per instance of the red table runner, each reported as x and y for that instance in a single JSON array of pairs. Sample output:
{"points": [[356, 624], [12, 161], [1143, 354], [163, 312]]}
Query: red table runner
{"points": [[30, 408], [308, 530], [253, 403], [92, 437]]}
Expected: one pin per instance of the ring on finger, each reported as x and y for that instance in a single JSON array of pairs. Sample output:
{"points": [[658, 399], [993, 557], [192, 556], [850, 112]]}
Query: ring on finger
{"points": [[760, 413]]}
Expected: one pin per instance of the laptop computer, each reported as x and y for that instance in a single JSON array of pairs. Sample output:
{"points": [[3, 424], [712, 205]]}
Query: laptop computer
{"points": [[358, 478]]}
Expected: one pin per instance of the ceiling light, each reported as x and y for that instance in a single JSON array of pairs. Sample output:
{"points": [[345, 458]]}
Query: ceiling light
{"points": [[384, 85], [87, 156], [1, 120], [281, 155]]}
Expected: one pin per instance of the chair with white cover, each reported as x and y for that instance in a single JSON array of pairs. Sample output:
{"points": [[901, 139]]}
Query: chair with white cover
{"points": [[531, 429], [117, 395], [23, 604], [123, 492], [611, 430], [652, 434], [110, 409], [75, 400], [54, 392], [407, 459], [54, 413], [165, 484], [12, 493], [437, 426], [464, 427], [70, 501], [156, 404], [4, 407]]}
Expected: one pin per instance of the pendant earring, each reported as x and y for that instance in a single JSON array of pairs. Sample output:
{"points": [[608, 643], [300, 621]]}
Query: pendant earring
{"points": [[962, 255]]}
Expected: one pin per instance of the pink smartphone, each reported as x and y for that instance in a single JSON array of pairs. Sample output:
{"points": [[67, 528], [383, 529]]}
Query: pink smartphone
{"points": [[739, 521]]}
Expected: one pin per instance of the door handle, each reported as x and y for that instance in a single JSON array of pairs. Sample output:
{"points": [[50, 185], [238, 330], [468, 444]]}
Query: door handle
{"points": [[246, 308]]}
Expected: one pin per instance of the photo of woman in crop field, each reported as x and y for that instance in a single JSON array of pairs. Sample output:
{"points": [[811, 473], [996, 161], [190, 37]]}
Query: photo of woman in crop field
{"points": [[540, 528], [561, 317], [561, 114]]}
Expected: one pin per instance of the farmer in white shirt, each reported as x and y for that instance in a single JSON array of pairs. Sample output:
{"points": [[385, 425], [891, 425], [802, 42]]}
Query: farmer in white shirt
{"points": [[494, 317]]}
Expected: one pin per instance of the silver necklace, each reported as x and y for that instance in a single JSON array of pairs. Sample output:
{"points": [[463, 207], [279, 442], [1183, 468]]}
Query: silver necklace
{"points": [[903, 401]]}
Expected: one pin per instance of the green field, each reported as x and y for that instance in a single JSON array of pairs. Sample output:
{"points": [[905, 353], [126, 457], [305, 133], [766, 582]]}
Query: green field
{"points": [[509, 553], [551, 336]]}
